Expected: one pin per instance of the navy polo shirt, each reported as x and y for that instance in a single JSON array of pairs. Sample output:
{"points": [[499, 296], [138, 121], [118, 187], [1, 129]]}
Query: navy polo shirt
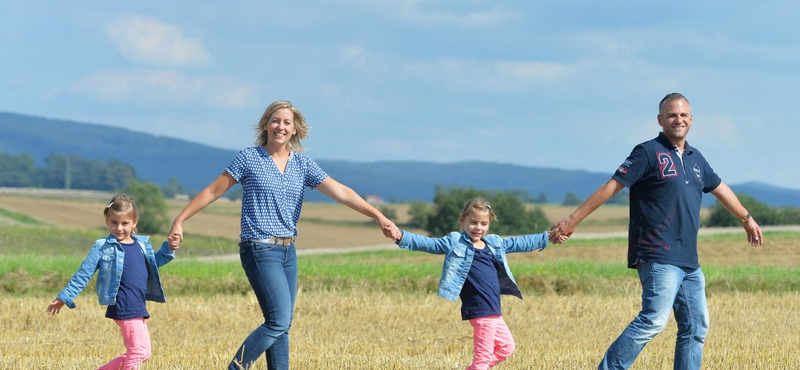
{"points": [[666, 191], [480, 296]]}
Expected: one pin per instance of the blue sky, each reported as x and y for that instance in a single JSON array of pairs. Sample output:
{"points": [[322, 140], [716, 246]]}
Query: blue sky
{"points": [[563, 84]]}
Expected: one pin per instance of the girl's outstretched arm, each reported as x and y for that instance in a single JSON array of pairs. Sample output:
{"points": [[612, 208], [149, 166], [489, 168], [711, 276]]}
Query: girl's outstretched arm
{"points": [[165, 254], [414, 242], [526, 243], [81, 277]]}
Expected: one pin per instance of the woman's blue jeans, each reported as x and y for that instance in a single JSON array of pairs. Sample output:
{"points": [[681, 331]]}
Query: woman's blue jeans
{"points": [[664, 288], [272, 272]]}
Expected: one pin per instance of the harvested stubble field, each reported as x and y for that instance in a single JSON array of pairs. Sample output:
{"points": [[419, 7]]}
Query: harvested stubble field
{"points": [[566, 321], [354, 330]]}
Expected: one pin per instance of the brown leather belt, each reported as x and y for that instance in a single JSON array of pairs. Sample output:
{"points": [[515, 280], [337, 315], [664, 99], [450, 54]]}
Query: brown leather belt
{"points": [[276, 240]]}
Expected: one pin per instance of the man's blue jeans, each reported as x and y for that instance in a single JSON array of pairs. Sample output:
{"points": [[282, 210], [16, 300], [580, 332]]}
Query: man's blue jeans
{"points": [[665, 287], [272, 272]]}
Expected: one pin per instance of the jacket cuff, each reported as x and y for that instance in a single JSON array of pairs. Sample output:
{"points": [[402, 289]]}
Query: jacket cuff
{"points": [[67, 302], [165, 249], [546, 240]]}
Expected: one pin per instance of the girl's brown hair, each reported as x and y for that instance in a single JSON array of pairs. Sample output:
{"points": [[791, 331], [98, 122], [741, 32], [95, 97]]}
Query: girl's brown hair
{"points": [[478, 205]]}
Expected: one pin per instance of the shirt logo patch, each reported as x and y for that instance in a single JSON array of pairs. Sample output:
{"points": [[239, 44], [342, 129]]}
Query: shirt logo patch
{"points": [[696, 170], [623, 168]]}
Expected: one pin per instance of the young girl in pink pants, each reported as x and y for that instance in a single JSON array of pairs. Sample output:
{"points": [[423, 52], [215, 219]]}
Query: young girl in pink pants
{"points": [[127, 276], [476, 270]]}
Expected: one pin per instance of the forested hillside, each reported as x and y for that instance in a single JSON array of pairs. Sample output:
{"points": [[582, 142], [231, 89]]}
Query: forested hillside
{"points": [[99, 151]]}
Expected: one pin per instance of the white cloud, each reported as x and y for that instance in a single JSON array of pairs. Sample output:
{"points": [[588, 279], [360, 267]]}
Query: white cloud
{"points": [[166, 88], [491, 76], [529, 71], [355, 56], [149, 41], [227, 92], [412, 10]]}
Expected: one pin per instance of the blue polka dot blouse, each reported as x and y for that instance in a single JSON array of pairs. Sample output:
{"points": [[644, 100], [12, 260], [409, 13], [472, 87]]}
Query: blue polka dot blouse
{"points": [[272, 200]]}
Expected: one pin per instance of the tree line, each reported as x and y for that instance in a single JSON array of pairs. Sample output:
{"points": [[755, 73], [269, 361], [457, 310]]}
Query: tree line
{"points": [[516, 218], [514, 215], [64, 172], [760, 211], [75, 172]]}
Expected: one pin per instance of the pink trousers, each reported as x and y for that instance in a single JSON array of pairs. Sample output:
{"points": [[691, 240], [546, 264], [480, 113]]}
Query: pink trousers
{"points": [[136, 338], [492, 340]]}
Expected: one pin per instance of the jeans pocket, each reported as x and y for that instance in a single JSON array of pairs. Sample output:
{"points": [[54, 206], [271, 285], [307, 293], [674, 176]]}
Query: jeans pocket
{"points": [[253, 253], [245, 247], [263, 247]]}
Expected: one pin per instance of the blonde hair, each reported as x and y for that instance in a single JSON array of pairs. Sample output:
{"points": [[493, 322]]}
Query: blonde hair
{"points": [[477, 205], [122, 204], [299, 123]]}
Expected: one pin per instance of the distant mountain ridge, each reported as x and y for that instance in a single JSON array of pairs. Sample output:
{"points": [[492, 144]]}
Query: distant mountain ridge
{"points": [[194, 165], [414, 180]]}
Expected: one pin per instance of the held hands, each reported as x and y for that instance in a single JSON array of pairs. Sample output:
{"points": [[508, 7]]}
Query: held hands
{"points": [[55, 307], [175, 236], [558, 239], [561, 231], [174, 241], [391, 231]]}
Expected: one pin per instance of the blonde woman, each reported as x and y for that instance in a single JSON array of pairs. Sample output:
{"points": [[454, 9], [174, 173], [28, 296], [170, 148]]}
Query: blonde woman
{"points": [[274, 174]]}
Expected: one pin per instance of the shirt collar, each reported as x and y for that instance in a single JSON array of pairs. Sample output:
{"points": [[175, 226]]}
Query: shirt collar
{"points": [[662, 139]]}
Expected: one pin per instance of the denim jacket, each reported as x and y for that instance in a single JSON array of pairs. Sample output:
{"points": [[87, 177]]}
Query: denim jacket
{"points": [[106, 257], [459, 252]]}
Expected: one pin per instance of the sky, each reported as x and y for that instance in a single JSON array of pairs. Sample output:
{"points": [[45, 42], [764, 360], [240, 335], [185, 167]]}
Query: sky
{"points": [[559, 84]]}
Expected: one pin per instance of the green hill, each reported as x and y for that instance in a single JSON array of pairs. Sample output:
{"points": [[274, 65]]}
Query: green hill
{"points": [[158, 159]]}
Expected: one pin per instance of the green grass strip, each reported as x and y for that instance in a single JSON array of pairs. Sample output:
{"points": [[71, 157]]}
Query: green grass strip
{"points": [[19, 217], [40, 260], [390, 271]]}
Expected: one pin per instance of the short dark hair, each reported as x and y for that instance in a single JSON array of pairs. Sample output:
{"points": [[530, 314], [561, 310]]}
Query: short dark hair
{"points": [[670, 97]]}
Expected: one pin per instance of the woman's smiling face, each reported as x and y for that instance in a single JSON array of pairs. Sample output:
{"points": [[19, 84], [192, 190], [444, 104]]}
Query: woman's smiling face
{"points": [[280, 127]]}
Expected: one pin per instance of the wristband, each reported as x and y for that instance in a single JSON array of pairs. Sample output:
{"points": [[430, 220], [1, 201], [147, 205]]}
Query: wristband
{"points": [[745, 218]]}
